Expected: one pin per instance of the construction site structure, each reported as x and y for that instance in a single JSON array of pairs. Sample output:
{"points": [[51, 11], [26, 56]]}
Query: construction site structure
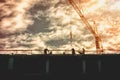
{"points": [[98, 41]]}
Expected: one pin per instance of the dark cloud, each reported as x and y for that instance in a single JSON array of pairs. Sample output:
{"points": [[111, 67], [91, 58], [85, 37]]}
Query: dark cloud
{"points": [[4, 34], [42, 21], [42, 6], [38, 7], [39, 26], [61, 2], [2, 45], [57, 43], [25, 45], [2, 1]]}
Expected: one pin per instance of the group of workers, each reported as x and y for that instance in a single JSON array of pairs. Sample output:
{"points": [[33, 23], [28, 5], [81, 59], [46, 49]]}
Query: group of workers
{"points": [[46, 51]]}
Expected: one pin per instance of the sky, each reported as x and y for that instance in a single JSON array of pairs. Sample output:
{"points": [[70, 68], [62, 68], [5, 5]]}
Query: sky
{"points": [[40, 24]]}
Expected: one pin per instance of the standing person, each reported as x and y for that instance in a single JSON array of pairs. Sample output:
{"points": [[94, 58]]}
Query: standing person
{"points": [[46, 51], [50, 52], [73, 51], [83, 50]]}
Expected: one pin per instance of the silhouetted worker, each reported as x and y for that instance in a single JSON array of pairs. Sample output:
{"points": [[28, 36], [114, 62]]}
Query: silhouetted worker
{"points": [[79, 52], [64, 53], [10, 63], [83, 51], [50, 52], [73, 51], [46, 51]]}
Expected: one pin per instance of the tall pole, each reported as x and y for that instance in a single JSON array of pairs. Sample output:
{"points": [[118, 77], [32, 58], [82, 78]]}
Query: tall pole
{"points": [[71, 38]]}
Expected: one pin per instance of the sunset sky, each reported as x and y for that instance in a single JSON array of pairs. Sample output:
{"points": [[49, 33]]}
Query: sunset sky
{"points": [[39, 24]]}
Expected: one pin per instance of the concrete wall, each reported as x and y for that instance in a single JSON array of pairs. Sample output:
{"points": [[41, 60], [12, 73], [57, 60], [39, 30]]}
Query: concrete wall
{"points": [[60, 65]]}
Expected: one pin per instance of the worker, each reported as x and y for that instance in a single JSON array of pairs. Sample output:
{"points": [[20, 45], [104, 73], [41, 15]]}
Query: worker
{"points": [[50, 52], [64, 53], [46, 51], [83, 51], [73, 51]]}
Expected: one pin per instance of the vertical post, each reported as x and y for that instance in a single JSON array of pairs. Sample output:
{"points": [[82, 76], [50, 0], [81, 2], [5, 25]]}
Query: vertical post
{"points": [[99, 65], [71, 36], [10, 63], [47, 67], [84, 66], [73, 51]]}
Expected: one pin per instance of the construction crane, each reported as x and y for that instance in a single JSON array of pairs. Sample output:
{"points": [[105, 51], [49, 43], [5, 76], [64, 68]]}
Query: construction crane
{"points": [[98, 41]]}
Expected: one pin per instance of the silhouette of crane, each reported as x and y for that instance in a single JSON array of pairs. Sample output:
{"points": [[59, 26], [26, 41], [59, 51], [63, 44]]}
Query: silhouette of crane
{"points": [[98, 40]]}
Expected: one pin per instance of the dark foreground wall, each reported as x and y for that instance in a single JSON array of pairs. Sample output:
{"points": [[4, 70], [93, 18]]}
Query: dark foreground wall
{"points": [[59, 67]]}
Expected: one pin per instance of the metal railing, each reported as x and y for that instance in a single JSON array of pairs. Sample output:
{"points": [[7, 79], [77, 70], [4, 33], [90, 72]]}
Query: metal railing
{"points": [[54, 51]]}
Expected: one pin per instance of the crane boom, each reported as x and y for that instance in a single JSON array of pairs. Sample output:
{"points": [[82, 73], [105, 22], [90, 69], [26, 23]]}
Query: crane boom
{"points": [[82, 16], [99, 47]]}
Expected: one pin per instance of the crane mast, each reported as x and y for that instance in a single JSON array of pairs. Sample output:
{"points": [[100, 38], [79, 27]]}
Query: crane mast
{"points": [[99, 48]]}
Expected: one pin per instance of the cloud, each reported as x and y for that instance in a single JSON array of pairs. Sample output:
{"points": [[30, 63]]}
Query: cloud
{"points": [[38, 24], [14, 16]]}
